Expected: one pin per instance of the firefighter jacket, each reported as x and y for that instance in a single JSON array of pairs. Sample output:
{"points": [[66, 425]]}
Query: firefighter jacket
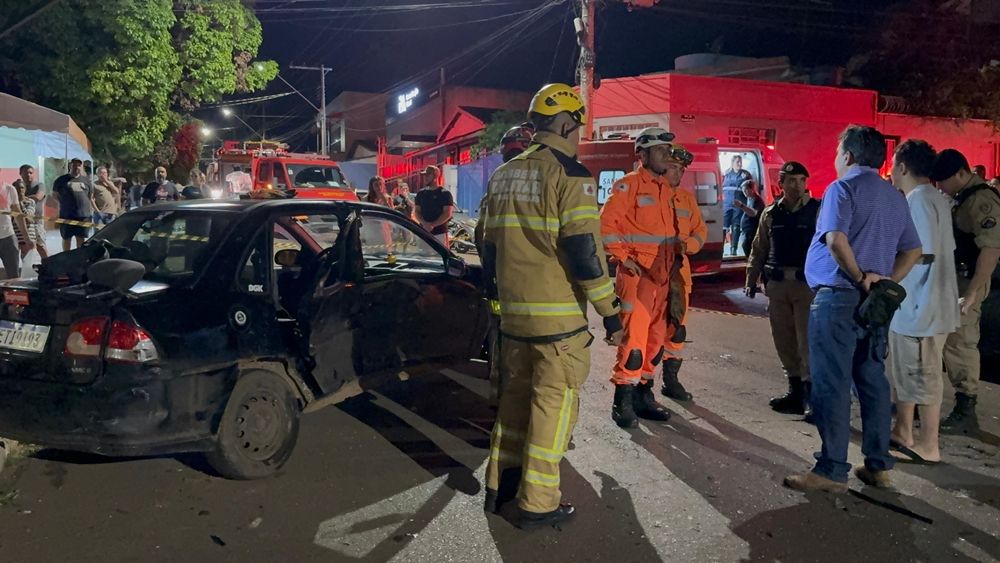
{"points": [[542, 242], [691, 229], [638, 223]]}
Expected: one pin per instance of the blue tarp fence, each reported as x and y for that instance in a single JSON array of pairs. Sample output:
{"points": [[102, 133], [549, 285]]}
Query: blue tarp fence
{"points": [[472, 181]]}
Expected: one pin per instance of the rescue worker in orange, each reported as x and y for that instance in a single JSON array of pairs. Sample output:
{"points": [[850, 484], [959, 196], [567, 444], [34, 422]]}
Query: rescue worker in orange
{"points": [[639, 229], [691, 235]]}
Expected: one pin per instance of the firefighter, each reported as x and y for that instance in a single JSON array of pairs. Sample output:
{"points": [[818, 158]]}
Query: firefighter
{"points": [[542, 245], [638, 228], [778, 256], [977, 250], [691, 234], [513, 143]]}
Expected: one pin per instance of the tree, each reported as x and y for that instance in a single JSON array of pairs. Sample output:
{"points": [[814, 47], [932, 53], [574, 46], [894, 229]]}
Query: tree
{"points": [[127, 70], [923, 52], [500, 122]]}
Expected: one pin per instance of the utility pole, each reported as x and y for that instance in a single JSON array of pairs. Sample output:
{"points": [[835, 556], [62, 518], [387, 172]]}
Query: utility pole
{"points": [[586, 26], [323, 149], [585, 29]]}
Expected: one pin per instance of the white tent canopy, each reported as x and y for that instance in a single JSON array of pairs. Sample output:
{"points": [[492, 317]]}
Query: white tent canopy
{"points": [[30, 130]]}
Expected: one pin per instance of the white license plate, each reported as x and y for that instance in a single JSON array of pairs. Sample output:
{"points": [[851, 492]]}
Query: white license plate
{"points": [[23, 337]]}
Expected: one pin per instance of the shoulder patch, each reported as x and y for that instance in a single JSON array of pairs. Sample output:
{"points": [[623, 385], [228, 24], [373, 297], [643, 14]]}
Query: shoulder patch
{"points": [[989, 222], [590, 189], [621, 186], [573, 167]]}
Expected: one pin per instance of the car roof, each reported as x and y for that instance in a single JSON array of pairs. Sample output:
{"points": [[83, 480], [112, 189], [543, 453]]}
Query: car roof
{"points": [[245, 205]]}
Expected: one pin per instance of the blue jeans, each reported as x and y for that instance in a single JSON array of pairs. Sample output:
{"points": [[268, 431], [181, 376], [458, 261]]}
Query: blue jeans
{"points": [[840, 352]]}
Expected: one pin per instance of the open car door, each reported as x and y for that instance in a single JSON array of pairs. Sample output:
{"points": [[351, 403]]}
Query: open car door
{"points": [[328, 316]]}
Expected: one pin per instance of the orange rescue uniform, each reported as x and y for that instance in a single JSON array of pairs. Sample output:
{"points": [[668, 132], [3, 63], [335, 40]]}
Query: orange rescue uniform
{"points": [[692, 231], [638, 223]]}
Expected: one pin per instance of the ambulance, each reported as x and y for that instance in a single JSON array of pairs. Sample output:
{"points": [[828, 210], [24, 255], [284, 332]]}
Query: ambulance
{"points": [[255, 168], [610, 159]]}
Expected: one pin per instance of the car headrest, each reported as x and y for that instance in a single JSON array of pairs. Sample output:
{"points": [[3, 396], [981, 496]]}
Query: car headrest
{"points": [[115, 273]]}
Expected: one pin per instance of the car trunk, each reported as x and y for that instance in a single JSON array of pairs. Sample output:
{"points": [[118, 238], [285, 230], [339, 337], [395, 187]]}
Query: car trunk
{"points": [[35, 322]]}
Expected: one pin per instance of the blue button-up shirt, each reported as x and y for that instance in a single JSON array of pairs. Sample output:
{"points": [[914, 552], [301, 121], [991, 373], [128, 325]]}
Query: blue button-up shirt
{"points": [[874, 216]]}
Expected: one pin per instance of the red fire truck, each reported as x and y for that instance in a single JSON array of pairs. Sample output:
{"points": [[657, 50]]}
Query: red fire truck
{"points": [[254, 168], [609, 160]]}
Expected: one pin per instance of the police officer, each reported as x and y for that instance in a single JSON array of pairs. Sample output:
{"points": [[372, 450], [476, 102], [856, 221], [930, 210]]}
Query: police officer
{"points": [[778, 258], [542, 244], [977, 250], [731, 193]]}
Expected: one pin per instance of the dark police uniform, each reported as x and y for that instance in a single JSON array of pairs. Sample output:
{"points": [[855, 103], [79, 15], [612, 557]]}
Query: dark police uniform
{"points": [[779, 254], [976, 217]]}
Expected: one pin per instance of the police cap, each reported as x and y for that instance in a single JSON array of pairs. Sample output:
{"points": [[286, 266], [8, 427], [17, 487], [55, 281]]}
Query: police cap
{"points": [[947, 164], [794, 168]]}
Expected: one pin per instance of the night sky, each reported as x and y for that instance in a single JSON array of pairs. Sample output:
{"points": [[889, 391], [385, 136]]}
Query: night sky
{"points": [[379, 45]]}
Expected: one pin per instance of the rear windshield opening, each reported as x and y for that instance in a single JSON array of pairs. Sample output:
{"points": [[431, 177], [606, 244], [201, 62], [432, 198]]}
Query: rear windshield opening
{"points": [[173, 245], [315, 176]]}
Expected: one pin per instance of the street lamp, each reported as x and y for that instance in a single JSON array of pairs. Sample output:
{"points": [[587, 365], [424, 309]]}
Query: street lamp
{"points": [[230, 113], [206, 131]]}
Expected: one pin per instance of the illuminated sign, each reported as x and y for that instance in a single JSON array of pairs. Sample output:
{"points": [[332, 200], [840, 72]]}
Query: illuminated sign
{"points": [[405, 101]]}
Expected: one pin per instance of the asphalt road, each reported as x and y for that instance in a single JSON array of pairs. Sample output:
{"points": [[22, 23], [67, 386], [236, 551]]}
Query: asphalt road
{"points": [[396, 473]]}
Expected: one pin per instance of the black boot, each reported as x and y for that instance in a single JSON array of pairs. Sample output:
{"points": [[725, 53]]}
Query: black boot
{"points": [[532, 520], [962, 419], [645, 404], [807, 408], [510, 480], [791, 402], [671, 386], [623, 411]]}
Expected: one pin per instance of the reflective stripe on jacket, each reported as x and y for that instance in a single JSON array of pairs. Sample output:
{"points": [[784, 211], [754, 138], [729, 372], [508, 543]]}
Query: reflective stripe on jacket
{"points": [[637, 221], [534, 202]]}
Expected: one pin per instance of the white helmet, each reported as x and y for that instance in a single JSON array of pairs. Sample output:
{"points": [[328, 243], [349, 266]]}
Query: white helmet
{"points": [[652, 136]]}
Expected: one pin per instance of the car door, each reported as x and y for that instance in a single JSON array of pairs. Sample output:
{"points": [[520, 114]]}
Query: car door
{"points": [[420, 304]]}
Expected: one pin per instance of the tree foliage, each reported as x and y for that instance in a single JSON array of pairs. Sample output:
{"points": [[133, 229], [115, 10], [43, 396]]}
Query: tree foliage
{"points": [[501, 121], [129, 70], [941, 61]]}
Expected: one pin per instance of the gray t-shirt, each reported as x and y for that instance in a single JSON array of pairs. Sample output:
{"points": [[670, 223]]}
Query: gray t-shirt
{"points": [[74, 196]]}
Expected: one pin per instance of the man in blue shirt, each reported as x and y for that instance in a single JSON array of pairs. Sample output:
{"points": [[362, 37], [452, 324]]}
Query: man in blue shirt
{"points": [[732, 192], [864, 234]]}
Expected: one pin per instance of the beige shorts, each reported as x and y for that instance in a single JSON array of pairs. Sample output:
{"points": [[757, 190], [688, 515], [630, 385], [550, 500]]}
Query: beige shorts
{"points": [[915, 368]]}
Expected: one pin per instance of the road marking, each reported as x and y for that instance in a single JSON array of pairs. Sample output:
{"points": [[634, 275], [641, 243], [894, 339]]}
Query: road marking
{"points": [[477, 385]]}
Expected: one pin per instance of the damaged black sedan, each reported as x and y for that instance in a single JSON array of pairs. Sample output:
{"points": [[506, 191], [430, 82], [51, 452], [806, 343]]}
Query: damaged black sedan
{"points": [[208, 327]]}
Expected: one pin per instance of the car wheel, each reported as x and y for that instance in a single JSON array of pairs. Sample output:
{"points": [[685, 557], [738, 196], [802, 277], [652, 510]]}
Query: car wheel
{"points": [[258, 429]]}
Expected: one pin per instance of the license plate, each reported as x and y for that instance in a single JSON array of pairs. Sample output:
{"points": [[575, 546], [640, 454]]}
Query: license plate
{"points": [[23, 337]]}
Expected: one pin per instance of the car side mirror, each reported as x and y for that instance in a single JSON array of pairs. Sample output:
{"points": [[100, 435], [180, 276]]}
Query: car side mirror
{"points": [[456, 267]]}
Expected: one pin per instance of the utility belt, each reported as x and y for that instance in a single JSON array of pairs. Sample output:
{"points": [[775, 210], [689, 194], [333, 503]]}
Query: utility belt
{"points": [[778, 273], [549, 339]]}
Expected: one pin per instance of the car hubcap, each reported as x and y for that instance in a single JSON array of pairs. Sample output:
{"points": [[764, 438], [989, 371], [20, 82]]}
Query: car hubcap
{"points": [[259, 425]]}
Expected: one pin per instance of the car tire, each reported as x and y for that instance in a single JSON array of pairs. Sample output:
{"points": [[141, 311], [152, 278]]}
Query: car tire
{"points": [[258, 429]]}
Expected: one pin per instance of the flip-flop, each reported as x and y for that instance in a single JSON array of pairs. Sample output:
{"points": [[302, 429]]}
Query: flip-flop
{"points": [[911, 456]]}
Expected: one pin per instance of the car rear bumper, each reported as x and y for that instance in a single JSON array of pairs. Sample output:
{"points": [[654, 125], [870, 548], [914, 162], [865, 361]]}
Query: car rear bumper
{"points": [[145, 418]]}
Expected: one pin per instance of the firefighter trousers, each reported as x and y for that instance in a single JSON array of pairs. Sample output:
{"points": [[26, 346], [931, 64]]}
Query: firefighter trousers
{"points": [[538, 410], [643, 315], [674, 349], [788, 310], [961, 350]]}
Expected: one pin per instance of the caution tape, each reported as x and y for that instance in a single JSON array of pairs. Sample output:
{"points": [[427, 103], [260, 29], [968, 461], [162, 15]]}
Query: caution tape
{"points": [[91, 225], [726, 313]]}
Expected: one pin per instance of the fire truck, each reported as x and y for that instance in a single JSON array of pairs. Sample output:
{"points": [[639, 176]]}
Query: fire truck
{"points": [[257, 169], [608, 160]]}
